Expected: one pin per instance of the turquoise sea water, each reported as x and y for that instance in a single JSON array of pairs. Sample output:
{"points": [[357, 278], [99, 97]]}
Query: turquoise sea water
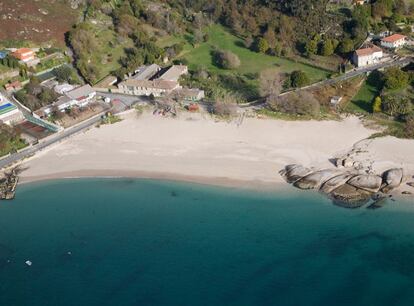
{"points": [[145, 242]]}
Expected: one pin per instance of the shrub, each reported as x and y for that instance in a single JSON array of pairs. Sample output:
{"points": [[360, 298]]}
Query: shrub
{"points": [[298, 78], [227, 60], [377, 105], [303, 103]]}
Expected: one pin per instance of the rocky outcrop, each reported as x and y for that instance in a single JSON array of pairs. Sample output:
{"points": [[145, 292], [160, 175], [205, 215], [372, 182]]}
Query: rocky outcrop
{"points": [[392, 179], [335, 182], [367, 182], [349, 187], [351, 195], [315, 179], [294, 172]]}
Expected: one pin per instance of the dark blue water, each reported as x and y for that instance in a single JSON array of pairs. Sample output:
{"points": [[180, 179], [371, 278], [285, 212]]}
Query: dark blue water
{"points": [[142, 242]]}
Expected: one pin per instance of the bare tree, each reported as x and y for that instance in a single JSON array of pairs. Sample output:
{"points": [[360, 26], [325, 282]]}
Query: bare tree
{"points": [[270, 82]]}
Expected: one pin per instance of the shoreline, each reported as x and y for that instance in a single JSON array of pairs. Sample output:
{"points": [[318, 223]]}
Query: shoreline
{"points": [[195, 148], [226, 182]]}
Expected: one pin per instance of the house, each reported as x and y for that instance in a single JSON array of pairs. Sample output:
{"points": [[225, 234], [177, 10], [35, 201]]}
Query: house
{"points": [[192, 94], [9, 113], [367, 56], [394, 41], [80, 96], [13, 86], [83, 95], [24, 54], [174, 73], [61, 104], [156, 87]]}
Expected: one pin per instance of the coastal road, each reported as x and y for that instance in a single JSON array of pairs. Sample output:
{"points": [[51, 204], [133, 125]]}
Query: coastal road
{"points": [[55, 138]]}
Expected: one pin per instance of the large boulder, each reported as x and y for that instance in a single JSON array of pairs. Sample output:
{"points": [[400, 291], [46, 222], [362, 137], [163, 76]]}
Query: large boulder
{"points": [[392, 179], [292, 173], [335, 182], [369, 182], [350, 196], [316, 179]]}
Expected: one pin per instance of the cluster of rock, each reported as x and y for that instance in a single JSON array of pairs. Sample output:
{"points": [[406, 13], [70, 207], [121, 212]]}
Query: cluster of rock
{"points": [[8, 183], [347, 187]]}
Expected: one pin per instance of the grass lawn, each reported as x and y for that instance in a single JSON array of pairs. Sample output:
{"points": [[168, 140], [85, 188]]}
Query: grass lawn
{"points": [[251, 62], [362, 101]]}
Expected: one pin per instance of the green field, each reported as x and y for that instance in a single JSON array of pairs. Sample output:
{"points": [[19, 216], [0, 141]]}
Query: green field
{"points": [[362, 102], [251, 62]]}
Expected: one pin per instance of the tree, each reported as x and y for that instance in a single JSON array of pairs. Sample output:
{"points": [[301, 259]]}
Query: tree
{"points": [[270, 82], [327, 48], [262, 45], [346, 46], [395, 78], [377, 105], [311, 47], [227, 60], [298, 78]]}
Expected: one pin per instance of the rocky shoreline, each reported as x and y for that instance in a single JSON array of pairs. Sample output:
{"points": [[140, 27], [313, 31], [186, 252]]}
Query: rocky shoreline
{"points": [[8, 183]]}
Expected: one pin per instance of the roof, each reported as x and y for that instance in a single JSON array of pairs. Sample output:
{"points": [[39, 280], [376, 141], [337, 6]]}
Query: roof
{"points": [[368, 51], [158, 84], [174, 73], [147, 72], [23, 51], [7, 107], [80, 92], [394, 38], [191, 92], [107, 82]]}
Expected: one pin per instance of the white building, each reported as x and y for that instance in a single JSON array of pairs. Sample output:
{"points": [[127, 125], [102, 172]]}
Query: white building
{"points": [[367, 56], [156, 88], [394, 41], [80, 97]]}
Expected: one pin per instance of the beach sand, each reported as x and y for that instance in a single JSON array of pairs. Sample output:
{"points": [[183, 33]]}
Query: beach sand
{"points": [[194, 147]]}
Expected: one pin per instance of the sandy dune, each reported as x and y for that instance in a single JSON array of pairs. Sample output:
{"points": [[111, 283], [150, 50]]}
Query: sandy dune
{"points": [[194, 147]]}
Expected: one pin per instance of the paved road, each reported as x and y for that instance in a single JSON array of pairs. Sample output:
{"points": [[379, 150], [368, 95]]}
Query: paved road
{"points": [[9, 160]]}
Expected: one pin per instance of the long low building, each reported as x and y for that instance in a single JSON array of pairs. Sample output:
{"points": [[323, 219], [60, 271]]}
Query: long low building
{"points": [[156, 88]]}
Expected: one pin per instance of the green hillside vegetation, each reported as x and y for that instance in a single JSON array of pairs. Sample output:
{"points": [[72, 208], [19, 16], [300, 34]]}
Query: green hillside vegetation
{"points": [[10, 140], [201, 56]]}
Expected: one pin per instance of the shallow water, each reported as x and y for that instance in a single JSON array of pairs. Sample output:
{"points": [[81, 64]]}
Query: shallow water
{"points": [[146, 242]]}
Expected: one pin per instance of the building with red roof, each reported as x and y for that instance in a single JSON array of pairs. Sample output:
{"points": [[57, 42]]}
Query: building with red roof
{"points": [[24, 54], [394, 41], [367, 56]]}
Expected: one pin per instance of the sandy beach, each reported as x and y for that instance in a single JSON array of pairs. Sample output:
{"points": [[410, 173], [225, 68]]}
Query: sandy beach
{"points": [[194, 147]]}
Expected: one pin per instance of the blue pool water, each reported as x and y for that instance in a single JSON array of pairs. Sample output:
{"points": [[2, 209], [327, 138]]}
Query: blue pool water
{"points": [[146, 242]]}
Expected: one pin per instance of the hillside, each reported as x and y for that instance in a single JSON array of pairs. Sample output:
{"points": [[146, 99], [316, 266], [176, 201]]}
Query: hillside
{"points": [[37, 21]]}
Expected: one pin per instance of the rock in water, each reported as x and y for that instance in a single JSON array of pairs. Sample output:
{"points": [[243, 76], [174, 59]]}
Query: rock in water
{"points": [[392, 179], [292, 173], [351, 196], [367, 182], [335, 182], [316, 179]]}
